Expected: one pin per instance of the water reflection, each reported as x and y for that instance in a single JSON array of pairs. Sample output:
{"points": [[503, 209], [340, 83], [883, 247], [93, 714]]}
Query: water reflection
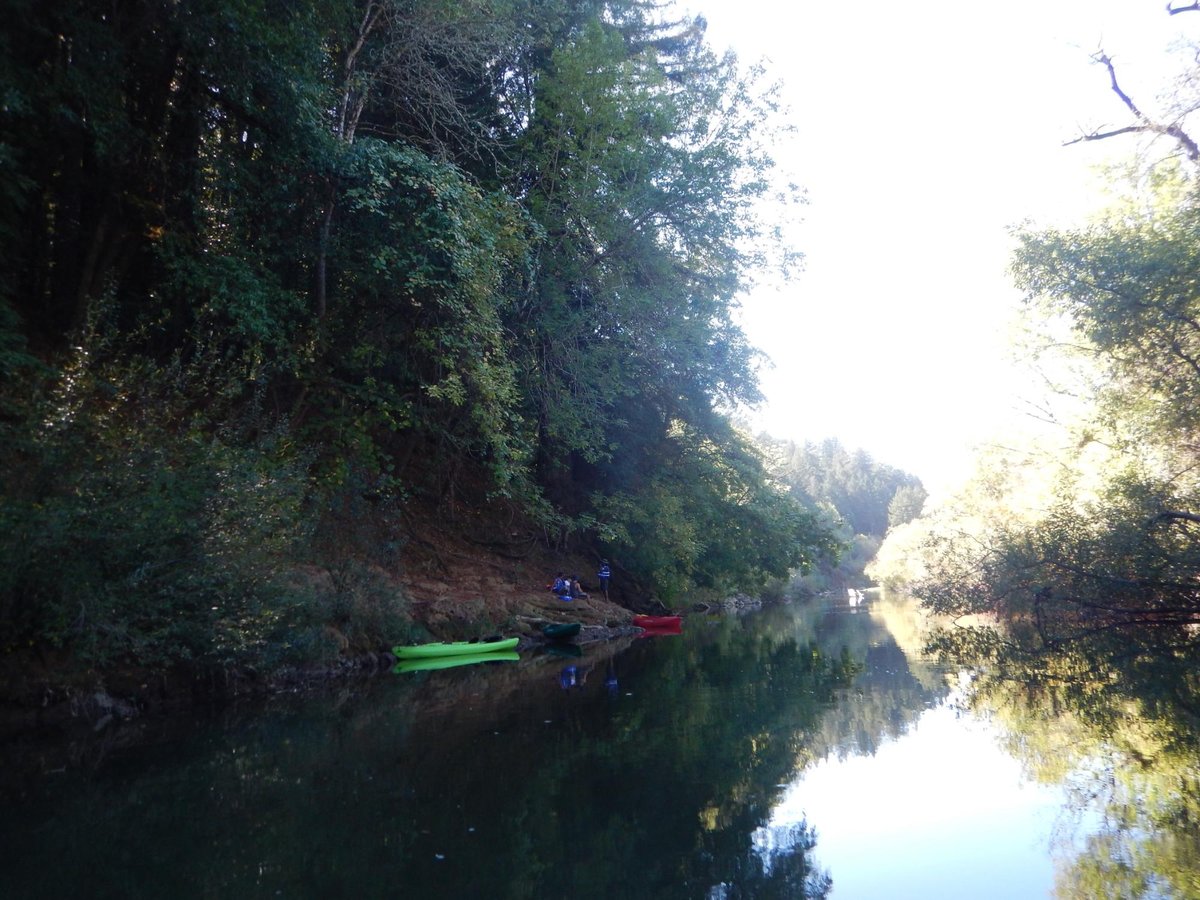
{"points": [[1112, 714], [768, 756], [645, 778]]}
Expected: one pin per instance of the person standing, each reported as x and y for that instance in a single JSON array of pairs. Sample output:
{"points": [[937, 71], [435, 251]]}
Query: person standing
{"points": [[603, 575]]}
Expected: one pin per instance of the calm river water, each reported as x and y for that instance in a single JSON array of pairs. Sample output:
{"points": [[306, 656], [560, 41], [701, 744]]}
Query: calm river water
{"points": [[799, 751]]}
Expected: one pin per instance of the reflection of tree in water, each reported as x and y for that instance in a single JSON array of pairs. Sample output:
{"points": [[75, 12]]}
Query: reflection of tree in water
{"points": [[462, 784], [778, 867], [1113, 716], [890, 691]]}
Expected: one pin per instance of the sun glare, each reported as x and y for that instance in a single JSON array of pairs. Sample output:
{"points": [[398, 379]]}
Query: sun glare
{"points": [[924, 134]]}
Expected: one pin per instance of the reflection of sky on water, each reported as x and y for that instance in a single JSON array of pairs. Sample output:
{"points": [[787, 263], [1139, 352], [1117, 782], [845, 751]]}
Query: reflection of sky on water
{"points": [[942, 811]]}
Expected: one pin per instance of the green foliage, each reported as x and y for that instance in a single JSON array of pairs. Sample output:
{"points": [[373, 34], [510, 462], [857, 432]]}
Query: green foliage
{"points": [[645, 166], [843, 566], [711, 519], [264, 262], [125, 539], [906, 504], [1112, 541], [870, 496], [363, 606], [1126, 287], [1080, 566], [416, 342], [856, 498]]}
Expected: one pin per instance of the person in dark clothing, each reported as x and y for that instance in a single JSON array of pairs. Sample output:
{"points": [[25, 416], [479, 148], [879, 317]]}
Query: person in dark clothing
{"points": [[603, 575]]}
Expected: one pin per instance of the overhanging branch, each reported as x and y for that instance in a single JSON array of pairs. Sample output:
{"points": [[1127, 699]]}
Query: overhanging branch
{"points": [[1175, 515], [1145, 123]]}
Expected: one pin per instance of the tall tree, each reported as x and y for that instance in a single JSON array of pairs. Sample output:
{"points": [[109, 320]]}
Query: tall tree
{"points": [[308, 262], [639, 166]]}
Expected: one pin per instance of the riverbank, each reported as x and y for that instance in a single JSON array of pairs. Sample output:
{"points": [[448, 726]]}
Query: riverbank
{"points": [[93, 704], [456, 577], [452, 588]]}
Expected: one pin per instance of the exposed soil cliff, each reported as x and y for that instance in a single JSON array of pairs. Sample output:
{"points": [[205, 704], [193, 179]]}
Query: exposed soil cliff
{"points": [[459, 583]]}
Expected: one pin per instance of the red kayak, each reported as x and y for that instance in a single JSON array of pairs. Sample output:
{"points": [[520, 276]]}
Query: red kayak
{"points": [[668, 631], [658, 622]]}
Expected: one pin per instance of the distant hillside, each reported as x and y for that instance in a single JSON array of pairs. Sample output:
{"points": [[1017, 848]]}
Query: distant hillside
{"points": [[870, 497], [860, 498]]}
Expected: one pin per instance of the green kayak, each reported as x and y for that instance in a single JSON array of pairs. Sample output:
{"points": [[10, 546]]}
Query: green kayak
{"points": [[557, 631], [458, 648], [447, 662]]}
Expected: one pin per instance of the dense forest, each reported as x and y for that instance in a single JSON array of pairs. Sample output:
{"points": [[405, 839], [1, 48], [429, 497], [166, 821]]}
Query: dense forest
{"points": [[872, 497], [860, 499], [277, 275]]}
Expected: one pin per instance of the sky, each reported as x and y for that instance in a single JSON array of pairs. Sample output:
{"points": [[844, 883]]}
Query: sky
{"points": [[942, 811], [925, 130]]}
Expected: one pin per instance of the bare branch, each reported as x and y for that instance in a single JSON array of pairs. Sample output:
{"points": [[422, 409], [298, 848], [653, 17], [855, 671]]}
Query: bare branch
{"points": [[1172, 515], [1105, 60], [1146, 124], [1101, 135]]}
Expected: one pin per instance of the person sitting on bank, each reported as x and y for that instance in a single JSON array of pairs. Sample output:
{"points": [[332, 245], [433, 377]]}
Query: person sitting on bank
{"points": [[561, 585], [577, 589]]}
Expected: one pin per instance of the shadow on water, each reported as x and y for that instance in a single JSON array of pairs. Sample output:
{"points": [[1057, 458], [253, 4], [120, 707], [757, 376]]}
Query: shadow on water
{"points": [[635, 769], [641, 774]]}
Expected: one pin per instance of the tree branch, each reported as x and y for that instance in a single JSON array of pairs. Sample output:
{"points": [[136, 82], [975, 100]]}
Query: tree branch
{"points": [[1101, 135], [1147, 125], [1175, 515], [1176, 10]]}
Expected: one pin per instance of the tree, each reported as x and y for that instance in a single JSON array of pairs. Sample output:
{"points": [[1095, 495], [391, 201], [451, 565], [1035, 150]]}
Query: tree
{"points": [[1099, 535], [1126, 287], [1144, 124], [389, 253], [641, 168], [710, 519], [859, 488], [1110, 543], [906, 504]]}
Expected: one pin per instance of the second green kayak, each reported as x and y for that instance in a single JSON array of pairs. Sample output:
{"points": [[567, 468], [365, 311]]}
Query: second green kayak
{"points": [[456, 648], [449, 662]]}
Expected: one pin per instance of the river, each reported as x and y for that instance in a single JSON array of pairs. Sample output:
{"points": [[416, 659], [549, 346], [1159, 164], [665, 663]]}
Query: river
{"points": [[801, 751]]}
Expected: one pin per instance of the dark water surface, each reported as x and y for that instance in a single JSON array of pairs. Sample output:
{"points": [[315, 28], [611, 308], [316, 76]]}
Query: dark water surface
{"points": [[676, 766]]}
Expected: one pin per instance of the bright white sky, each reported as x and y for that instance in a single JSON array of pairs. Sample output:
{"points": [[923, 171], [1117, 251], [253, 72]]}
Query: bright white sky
{"points": [[942, 811], [925, 130]]}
